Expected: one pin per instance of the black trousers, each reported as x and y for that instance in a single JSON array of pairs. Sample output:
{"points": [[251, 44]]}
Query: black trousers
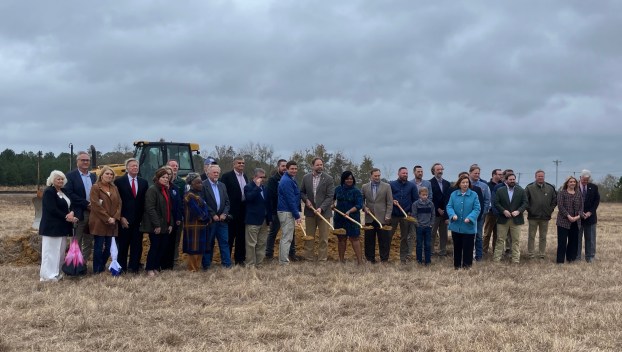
{"points": [[463, 249], [168, 257], [567, 243], [237, 240], [156, 251], [384, 243], [131, 240]]}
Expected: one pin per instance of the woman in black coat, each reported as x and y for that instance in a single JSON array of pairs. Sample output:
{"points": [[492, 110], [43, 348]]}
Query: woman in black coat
{"points": [[157, 219], [56, 221]]}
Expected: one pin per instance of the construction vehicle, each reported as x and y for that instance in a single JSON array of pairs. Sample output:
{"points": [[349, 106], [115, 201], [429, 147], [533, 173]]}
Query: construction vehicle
{"points": [[150, 155], [153, 155]]}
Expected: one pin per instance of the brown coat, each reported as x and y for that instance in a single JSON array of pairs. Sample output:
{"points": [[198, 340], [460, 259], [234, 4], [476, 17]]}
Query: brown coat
{"points": [[103, 207]]}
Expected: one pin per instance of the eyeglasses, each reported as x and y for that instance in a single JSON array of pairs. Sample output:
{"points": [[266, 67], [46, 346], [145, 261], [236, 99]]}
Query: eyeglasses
{"points": [[84, 159]]}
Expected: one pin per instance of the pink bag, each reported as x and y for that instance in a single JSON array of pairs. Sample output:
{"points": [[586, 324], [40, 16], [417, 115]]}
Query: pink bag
{"points": [[74, 262]]}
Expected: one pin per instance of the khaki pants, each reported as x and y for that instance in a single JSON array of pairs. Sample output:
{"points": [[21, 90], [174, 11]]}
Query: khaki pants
{"points": [[311, 224], [256, 239], [490, 230], [514, 232], [537, 226], [439, 230]]}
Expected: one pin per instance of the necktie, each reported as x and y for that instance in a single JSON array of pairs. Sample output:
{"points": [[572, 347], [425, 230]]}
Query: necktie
{"points": [[133, 187], [584, 191], [373, 191]]}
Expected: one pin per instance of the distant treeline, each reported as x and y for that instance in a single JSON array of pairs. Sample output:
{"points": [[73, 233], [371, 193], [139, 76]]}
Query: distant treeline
{"points": [[21, 169]]}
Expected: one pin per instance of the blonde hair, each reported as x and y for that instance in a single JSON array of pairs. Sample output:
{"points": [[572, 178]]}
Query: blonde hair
{"points": [[102, 170], [54, 174]]}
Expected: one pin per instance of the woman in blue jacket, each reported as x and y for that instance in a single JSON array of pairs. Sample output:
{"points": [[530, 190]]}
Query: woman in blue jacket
{"points": [[462, 209]]}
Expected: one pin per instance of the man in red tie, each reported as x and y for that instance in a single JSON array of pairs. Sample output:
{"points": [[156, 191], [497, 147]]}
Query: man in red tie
{"points": [[132, 190]]}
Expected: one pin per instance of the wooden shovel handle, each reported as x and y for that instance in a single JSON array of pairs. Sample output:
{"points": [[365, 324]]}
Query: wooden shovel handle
{"points": [[325, 220], [403, 212], [347, 217], [373, 217]]}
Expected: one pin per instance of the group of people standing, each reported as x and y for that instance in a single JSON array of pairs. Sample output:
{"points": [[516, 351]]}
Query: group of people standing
{"points": [[245, 216]]}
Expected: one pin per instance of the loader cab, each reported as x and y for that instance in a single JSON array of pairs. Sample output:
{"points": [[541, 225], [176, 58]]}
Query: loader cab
{"points": [[153, 155]]}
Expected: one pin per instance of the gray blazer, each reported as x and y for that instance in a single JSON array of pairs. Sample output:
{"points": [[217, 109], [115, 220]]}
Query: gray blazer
{"points": [[382, 205], [323, 194]]}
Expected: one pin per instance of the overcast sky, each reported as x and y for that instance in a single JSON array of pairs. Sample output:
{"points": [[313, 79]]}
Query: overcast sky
{"points": [[405, 82]]}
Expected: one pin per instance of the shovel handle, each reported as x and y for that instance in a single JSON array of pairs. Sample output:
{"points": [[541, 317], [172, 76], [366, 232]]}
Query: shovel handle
{"points": [[347, 217], [323, 218], [402, 209], [376, 219]]}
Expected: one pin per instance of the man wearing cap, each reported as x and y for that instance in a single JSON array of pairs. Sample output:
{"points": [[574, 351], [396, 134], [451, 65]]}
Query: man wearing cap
{"points": [[206, 163], [542, 199]]}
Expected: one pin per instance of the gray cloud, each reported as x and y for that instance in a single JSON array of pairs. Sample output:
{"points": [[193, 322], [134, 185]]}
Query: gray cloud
{"points": [[508, 85]]}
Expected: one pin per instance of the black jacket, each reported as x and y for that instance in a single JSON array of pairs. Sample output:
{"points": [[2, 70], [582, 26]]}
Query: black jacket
{"points": [[53, 214]]}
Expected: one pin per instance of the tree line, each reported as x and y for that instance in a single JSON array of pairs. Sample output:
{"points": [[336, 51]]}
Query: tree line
{"points": [[21, 169]]}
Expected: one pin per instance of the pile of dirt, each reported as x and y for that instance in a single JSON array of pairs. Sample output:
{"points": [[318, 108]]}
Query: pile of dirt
{"points": [[21, 249]]}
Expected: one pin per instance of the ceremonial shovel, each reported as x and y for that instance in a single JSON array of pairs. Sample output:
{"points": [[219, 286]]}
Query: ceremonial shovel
{"points": [[408, 217], [354, 221], [305, 237], [384, 227], [335, 232]]}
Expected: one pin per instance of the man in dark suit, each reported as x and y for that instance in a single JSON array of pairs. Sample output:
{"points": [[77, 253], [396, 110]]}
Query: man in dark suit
{"points": [[215, 195], [317, 191], [234, 181], [591, 200], [511, 202], [132, 189], [258, 218], [440, 197], [78, 189]]}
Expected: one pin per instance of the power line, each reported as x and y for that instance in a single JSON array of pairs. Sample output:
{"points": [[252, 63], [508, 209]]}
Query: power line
{"points": [[557, 162]]}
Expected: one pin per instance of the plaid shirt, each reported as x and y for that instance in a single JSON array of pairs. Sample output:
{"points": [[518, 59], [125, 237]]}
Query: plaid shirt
{"points": [[568, 204]]}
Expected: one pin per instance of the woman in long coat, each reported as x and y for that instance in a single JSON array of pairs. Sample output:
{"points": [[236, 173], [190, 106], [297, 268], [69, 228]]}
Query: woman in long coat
{"points": [[196, 219], [56, 221], [157, 219], [104, 218]]}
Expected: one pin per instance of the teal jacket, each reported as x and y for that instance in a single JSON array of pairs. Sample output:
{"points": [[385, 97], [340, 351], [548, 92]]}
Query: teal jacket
{"points": [[465, 207]]}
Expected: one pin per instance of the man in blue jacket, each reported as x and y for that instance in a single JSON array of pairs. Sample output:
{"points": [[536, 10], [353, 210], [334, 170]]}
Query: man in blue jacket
{"points": [[258, 218], [288, 209], [404, 194]]}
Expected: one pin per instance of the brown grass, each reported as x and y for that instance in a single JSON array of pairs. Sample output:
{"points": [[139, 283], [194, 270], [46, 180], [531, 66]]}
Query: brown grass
{"points": [[536, 306]]}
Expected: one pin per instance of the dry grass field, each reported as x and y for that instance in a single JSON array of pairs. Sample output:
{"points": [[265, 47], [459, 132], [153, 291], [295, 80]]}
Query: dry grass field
{"points": [[534, 306]]}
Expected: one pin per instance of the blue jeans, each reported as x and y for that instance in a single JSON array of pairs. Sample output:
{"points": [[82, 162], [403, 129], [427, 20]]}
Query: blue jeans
{"points": [[217, 231], [479, 240], [101, 252], [274, 229], [424, 244]]}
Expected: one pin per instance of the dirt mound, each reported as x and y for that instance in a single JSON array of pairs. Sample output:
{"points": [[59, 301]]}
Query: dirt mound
{"points": [[21, 249]]}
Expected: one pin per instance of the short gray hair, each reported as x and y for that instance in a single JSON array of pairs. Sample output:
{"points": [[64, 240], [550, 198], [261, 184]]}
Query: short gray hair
{"points": [[54, 174], [586, 173], [259, 171], [129, 161]]}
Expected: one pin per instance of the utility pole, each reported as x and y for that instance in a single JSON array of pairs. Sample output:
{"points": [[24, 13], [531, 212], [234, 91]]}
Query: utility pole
{"points": [[556, 162]]}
